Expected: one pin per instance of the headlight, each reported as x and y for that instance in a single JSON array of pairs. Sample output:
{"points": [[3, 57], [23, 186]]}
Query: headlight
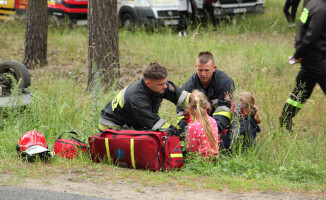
{"points": [[56, 1]]}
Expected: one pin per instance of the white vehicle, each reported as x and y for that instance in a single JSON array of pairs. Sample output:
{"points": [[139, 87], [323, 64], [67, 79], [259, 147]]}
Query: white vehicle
{"points": [[225, 8], [148, 12]]}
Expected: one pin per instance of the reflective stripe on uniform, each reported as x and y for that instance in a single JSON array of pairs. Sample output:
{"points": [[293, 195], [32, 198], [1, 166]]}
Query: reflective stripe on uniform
{"points": [[119, 99], [224, 113], [222, 108], [183, 99], [304, 15], [107, 149], [158, 124], [166, 125], [132, 153], [294, 103], [176, 155], [103, 128], [106, 122], [215, 101], [180, 116]]}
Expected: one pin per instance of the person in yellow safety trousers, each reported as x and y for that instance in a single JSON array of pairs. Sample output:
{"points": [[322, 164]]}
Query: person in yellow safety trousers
{"points": [[310, 45], [216, 85], [137, 105]]}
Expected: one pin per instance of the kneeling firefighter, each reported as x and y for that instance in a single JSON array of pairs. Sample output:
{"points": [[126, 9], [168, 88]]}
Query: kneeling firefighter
{"points": [[137, 105]]}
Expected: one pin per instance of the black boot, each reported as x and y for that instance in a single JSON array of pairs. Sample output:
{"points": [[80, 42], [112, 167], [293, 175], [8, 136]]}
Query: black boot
{"points": [[288, 113]]}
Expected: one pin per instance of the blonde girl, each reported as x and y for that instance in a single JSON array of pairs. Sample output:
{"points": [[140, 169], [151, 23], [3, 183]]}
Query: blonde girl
{"points": [[202, 135], [245, 120]]}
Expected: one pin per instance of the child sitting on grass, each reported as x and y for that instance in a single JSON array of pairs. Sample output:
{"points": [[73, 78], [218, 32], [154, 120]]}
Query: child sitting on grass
{"points": [[245, 120], [202, 135]]}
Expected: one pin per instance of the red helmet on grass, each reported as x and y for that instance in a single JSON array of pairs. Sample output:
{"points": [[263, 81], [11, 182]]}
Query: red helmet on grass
{"points": [[31, 144]]}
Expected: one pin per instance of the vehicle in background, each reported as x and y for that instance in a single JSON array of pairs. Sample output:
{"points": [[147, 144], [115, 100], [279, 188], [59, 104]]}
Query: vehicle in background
{"points": [[130, 12], [230, 8], [72, 9], [148, 12], [10, 7], [138, 12]]}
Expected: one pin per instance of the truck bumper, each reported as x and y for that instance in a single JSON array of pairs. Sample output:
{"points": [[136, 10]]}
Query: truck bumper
{"points": [[157, 17], [61, 14], [224, 12]]}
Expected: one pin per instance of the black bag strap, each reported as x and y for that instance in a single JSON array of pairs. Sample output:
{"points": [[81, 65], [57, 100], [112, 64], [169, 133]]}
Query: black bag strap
{"points": [[73, 138], [72, 132]]}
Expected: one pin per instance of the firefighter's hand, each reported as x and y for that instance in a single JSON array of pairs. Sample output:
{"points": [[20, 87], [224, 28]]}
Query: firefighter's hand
{"points": [[293, 60], [174, 131]]}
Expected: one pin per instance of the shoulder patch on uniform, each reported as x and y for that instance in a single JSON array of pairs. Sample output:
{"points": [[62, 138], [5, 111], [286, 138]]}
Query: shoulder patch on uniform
{"points": [[227, 97], [171, 88], [304, 15]]}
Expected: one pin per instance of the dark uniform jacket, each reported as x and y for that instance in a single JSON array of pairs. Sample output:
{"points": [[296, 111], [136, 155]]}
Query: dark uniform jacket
{"points": [[137, 106], [218, 94], [312, 30], [244, 127]]}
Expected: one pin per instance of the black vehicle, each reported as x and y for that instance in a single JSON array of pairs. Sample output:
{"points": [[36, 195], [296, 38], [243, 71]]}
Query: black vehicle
{"points": [[230, 8], [10, 72]]}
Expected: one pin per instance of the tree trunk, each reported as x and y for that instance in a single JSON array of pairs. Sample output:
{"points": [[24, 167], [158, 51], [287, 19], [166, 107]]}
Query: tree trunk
{"points": [[103, 42], [36, 34]]}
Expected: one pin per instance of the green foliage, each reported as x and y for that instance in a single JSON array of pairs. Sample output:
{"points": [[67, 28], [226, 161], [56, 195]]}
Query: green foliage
{"points": [[253, 50]]}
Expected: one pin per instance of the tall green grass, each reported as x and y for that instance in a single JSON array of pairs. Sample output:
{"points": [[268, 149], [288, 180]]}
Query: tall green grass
{"points": [[253, 50]]}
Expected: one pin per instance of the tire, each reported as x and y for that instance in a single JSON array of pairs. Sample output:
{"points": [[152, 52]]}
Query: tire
{"points": [[18, 70], [127, 21]]}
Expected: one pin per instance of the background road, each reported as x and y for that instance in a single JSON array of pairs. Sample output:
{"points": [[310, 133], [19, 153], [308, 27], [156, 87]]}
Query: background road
{"points": [[10, 193]]}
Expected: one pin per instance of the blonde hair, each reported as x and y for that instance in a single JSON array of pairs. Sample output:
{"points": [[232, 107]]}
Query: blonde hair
{"points": [[198, 102], [248, 101]]}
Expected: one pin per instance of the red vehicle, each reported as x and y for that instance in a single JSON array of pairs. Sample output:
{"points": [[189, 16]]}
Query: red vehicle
{"points": [[73, 9]]}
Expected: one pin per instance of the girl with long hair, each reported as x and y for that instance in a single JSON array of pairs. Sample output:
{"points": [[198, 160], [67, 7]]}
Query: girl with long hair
{"points": [[202, 134], [245, 120]]}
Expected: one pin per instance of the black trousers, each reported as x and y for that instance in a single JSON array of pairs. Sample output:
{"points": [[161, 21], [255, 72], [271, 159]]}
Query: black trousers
{"points": [[294, 6], [313, 71], [183, 20], [208, 8]]}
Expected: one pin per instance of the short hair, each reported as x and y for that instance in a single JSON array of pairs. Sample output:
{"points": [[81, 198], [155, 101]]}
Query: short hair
{"points": [[204, 57], [155, 71]]}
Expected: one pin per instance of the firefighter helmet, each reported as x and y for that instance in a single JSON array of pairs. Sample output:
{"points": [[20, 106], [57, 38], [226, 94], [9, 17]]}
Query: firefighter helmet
{"points": [[31, 144]]}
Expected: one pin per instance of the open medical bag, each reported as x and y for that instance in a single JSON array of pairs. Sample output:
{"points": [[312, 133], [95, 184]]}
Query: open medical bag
{"points": [[137, 149], [69, 148]]}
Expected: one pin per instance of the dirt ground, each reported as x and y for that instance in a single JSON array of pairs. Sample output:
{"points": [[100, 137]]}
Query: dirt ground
{"points": [[119, 189]]}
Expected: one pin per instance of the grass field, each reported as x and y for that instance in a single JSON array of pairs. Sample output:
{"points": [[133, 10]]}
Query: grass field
{"points": [[253, 50]]}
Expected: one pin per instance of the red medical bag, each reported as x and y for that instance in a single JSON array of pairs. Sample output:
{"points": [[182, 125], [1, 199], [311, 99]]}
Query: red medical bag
{"points": [[69, 148], [137, 149]]}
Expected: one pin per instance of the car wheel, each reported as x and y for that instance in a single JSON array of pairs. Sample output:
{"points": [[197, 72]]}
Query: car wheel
{"points": [[15, 69], [127, 21]]}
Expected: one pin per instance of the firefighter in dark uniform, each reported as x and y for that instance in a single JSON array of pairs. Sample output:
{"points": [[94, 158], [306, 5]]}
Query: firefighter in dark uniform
{"points": [[137, 105], [216, 85], [310, 44]]}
